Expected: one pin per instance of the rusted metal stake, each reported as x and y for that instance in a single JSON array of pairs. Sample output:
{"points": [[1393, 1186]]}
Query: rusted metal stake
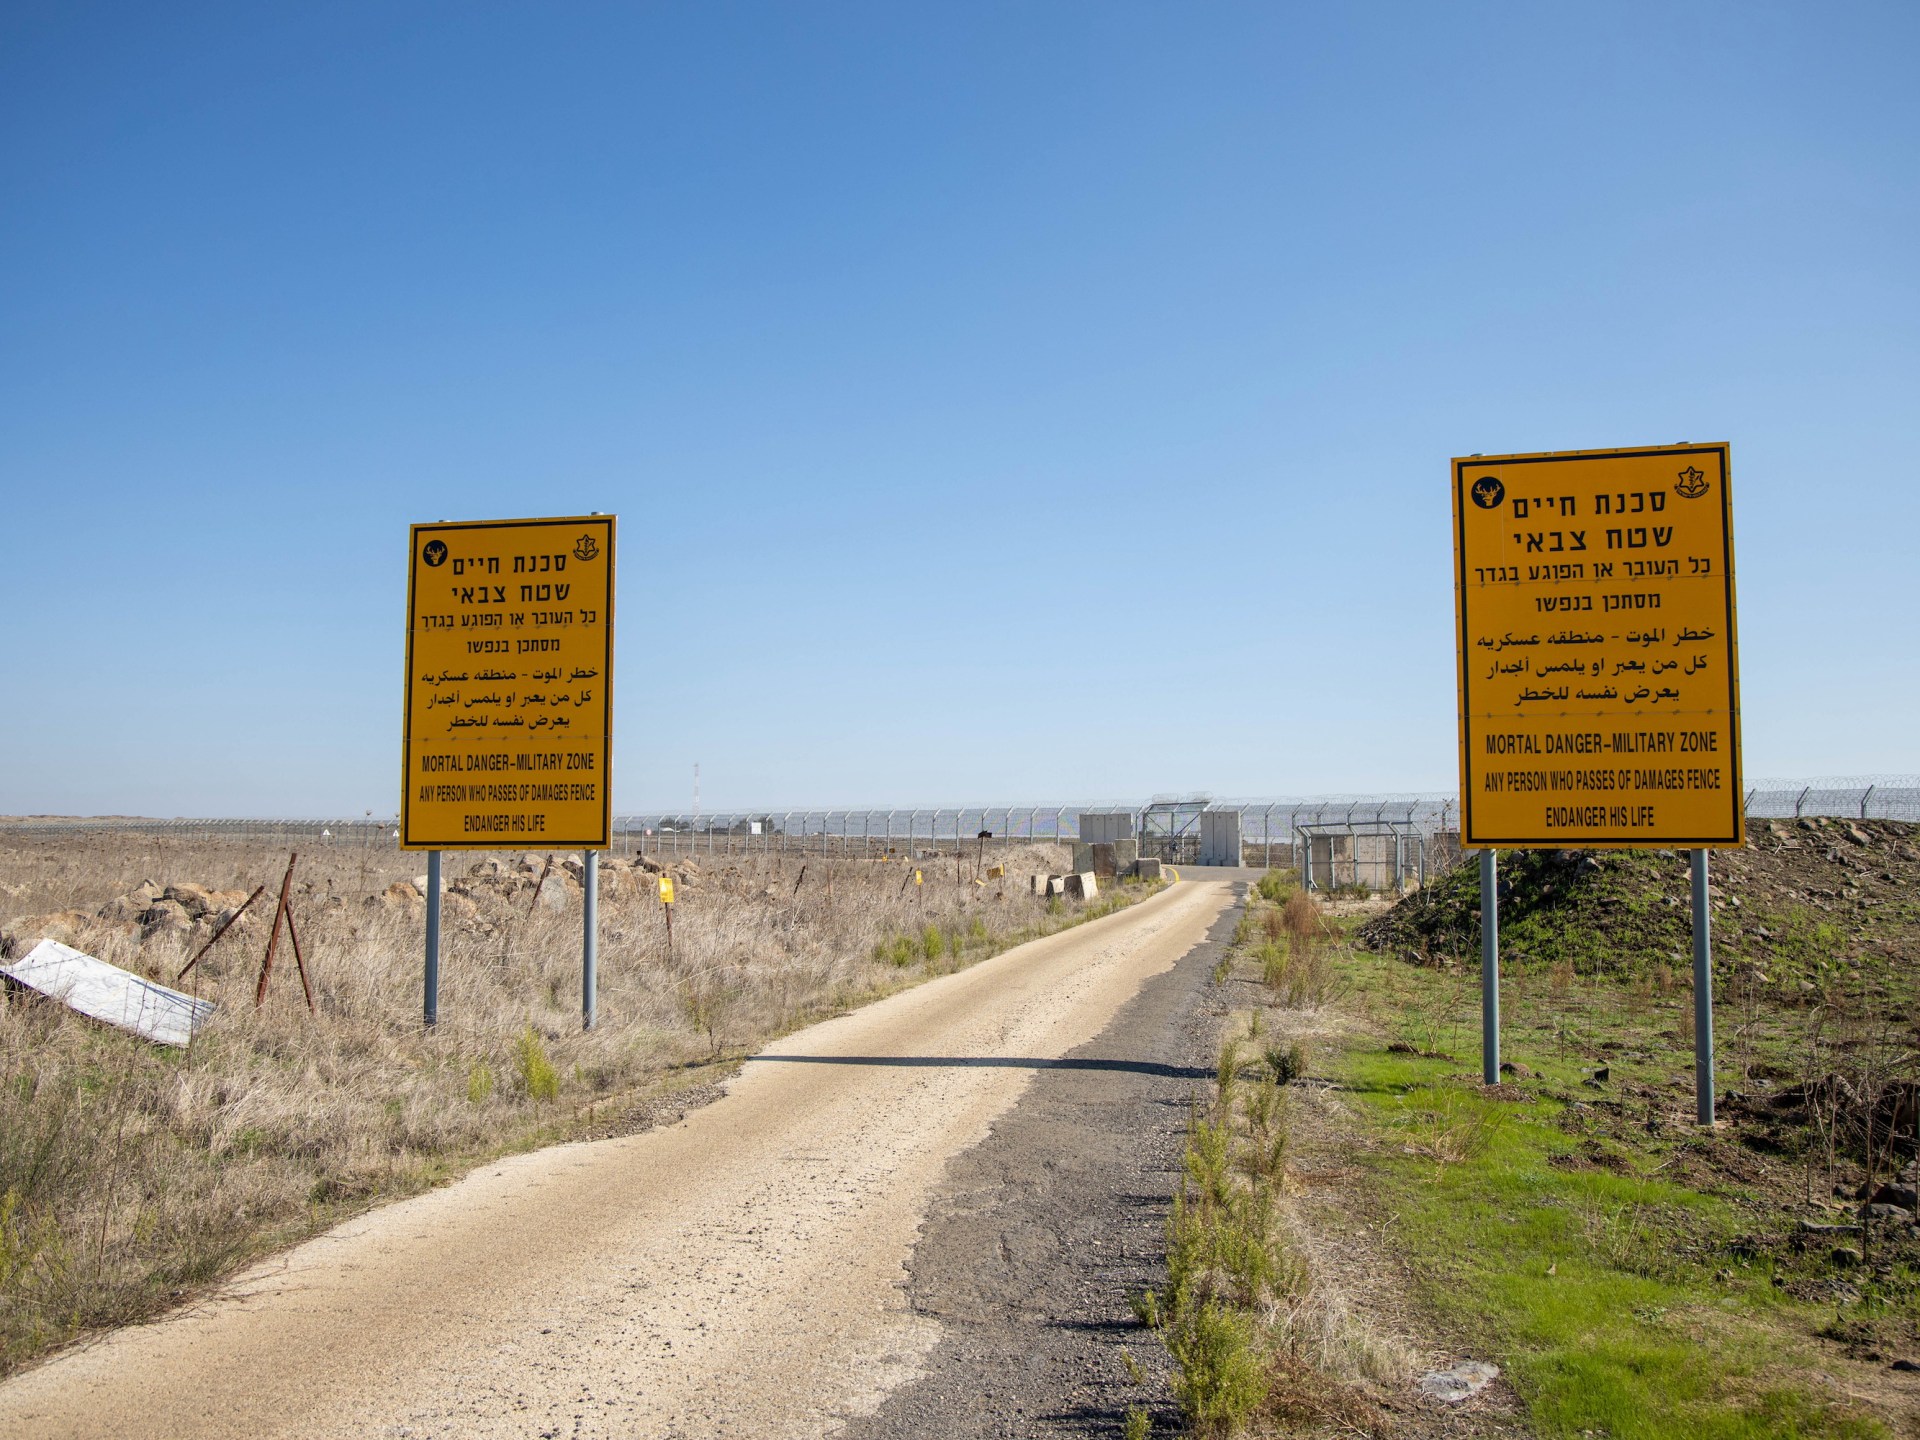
{"points": [[273, 940], [545, 870], [225, 924], [298, 959]]}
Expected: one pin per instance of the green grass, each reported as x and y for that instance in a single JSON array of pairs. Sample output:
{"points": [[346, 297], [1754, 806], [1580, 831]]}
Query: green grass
{"points": [[1611, 1295]]}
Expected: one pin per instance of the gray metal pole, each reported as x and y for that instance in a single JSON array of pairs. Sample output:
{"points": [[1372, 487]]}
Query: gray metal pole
{"points": [[590, 942], [433, 938], [1702, 994], [1489, 968]]}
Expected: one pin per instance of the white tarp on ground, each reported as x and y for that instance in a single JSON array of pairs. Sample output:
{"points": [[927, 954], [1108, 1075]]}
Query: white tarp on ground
{"points": [[106, 992]]}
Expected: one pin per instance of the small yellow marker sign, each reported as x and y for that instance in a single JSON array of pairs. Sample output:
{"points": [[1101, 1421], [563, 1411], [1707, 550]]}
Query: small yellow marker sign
{"points": [[1598, 671], [916, 877], [666, 889], [509, 685]]}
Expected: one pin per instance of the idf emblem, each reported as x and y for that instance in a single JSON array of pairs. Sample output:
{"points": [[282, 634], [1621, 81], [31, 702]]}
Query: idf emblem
{"points": [[1691, 484], [1488, 492]]}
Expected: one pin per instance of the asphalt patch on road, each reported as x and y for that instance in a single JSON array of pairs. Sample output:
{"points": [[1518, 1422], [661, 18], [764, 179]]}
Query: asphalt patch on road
{"points": [[1041, 1235]]}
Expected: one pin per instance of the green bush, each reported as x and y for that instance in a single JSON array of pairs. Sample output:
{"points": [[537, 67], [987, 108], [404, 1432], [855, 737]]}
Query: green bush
{"points": [[1276, 885], [537, 1075], [933, 942]]}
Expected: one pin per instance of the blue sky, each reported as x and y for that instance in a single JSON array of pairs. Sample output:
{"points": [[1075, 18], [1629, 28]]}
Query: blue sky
{"points": [[999, 401]]}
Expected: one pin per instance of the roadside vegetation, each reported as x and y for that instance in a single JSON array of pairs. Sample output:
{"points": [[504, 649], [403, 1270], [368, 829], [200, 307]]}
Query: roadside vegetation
{"points": [[132, 1175], [1259, 1344], [1630, 1274]]}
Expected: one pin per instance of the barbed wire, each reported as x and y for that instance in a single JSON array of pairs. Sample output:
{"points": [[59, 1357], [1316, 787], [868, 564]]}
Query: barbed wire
{"points": [[1262, 820]]}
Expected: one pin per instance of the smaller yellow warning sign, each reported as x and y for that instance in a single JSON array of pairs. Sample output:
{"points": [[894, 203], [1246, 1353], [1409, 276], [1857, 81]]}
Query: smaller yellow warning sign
{"points": [[666, 889], [916, 877]]}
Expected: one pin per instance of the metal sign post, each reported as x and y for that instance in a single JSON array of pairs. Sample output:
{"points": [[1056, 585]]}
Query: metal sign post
{"points": [[1489, 968], [433, 938], [1702, 994], [590, 940]]}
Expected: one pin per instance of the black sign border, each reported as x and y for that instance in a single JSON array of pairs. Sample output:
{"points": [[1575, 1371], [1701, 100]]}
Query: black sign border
{"points": [[1469, 840], [414, 534]]}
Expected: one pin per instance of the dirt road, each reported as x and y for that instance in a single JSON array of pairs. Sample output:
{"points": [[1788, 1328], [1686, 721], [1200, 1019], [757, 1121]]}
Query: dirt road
{"points": [[739, 1273]]}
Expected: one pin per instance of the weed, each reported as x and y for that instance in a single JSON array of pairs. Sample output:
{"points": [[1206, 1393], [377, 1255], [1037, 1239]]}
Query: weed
{"points": [[1220, 1381], [538, 1078], [1447, 1124], [479, 1083], [1286, 1063], [1139, 1425], [933, 942], [1277, 887]]}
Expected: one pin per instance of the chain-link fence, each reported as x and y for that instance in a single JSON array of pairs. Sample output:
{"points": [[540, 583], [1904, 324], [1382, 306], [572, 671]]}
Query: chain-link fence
{"points": [[1381, 841]]}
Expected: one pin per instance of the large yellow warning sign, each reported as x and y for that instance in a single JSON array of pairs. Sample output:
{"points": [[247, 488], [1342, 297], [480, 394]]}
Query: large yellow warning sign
{"points": [[509, 685], [1599, 683]]}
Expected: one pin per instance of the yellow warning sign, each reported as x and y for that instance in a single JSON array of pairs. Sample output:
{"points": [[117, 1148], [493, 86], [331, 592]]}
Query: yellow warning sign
{"points": [[666, 889], [509, 693], [1598, 670]]}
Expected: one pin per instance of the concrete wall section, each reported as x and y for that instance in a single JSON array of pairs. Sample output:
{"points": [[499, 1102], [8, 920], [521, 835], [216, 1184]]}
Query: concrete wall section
{"points": [[1103, 827], [1220, 837]]}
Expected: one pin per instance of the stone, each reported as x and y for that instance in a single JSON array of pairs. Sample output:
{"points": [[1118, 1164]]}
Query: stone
{"points": [[401, 893], [164, 915], [1822, 1229], [1858, 836], [1899, 1214], [196, 900], [1845, 1255], [1515, 1069], [1458, 1382], [1907, 1197]]}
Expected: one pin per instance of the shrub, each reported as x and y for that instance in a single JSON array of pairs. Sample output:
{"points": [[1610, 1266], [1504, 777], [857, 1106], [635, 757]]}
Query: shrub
{"points": [[479, 1082], [1278, 886], [537, 1075]]}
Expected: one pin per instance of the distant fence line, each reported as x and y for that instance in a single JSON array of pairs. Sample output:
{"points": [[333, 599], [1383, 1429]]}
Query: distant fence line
{"points": [[1267, 824]]}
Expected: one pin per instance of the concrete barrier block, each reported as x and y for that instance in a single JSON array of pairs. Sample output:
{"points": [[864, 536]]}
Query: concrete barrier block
{"points": [[1147, 867], [1082, 885]]}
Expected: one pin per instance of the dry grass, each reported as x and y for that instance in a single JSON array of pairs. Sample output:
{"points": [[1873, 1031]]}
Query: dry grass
{"points": [[132, 1174]]}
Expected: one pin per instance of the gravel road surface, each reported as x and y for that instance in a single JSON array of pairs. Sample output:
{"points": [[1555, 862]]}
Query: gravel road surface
{"points": [[740, 1273]]}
